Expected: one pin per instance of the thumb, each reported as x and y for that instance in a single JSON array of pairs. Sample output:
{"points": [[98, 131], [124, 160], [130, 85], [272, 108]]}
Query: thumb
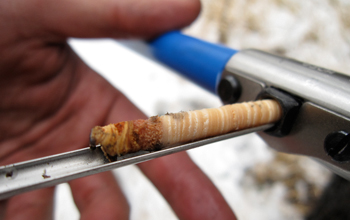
{"points": [[107, 18]]}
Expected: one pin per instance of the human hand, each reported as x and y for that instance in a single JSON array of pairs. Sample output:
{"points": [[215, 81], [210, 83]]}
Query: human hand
{"points": [[50, 100]]}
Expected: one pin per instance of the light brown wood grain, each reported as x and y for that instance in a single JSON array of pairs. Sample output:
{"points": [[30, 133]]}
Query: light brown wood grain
{"points": [[177, 128]]}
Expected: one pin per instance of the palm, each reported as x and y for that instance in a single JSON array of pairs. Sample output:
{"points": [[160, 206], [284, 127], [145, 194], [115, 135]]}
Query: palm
{"points": [[61, 104], [51, 100]]}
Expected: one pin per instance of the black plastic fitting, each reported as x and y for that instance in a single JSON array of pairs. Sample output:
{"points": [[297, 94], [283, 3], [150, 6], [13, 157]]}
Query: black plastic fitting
{"points": [[290, 107], [229, 89]]}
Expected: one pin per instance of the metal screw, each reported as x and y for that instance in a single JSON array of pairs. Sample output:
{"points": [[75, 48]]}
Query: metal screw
{"points": [[337, 146], [229, 89]]}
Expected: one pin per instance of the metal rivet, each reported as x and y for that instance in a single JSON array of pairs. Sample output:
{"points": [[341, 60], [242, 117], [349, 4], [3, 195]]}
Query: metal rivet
{"points": [[337, 146], [229, 89]]}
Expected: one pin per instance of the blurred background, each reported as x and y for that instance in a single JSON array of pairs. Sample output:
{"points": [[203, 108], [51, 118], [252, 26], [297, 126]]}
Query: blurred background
{"points": [[257, 182]]}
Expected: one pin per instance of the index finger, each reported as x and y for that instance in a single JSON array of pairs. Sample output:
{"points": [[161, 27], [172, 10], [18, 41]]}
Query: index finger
{"points": [[187, 189], [105, 18]]}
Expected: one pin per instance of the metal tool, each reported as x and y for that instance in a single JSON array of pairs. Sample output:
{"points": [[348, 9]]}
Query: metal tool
{"points": [[325, 108], [315, 101], [321, 126], [49, 171]]}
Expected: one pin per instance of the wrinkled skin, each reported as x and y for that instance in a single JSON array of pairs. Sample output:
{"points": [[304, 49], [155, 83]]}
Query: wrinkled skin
{"points": [[50, 100]]}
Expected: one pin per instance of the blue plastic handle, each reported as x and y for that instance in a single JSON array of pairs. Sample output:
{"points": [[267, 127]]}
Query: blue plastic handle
{"points": [[200, 61]]}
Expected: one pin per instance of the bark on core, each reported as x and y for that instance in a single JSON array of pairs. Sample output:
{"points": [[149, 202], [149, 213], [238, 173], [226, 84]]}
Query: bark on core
{"points": [[172, 129]]}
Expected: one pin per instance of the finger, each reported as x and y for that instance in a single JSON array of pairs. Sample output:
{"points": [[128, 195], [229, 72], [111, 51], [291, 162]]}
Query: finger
{"points": [[36, 205], [186, 188], [99, 197], [109, 18]]}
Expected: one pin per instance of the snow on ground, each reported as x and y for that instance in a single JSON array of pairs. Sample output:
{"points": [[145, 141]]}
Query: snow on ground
{"points": [[315, 31]]}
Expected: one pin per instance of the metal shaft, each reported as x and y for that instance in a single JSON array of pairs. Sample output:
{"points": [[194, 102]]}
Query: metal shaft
{"points": [[49, 171]]}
